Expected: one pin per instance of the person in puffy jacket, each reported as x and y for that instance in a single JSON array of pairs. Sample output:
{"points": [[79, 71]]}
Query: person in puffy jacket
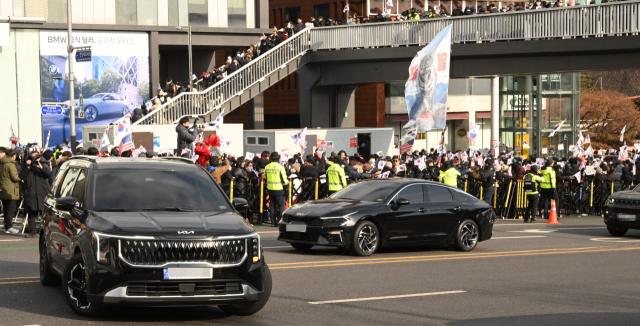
{"points": [[137, 115], [185, 137], [617, 177], [449, 174]]}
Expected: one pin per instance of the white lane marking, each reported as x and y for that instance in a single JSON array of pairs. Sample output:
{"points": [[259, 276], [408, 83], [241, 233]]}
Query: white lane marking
{"points": [[535, 231], [555, 230], [615, 239], [11, 240], [387, 297], [523, 237], [278, 247]]}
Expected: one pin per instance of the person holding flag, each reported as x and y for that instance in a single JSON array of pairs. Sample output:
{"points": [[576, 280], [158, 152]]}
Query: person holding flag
{"points": [[186, 135]]}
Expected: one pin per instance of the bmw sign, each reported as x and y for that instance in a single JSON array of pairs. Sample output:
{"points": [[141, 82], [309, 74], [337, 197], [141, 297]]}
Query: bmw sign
{"points": [[53, 69]]}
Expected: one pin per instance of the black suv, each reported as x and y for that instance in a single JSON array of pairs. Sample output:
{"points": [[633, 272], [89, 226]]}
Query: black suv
{"points": [[149, 232]]}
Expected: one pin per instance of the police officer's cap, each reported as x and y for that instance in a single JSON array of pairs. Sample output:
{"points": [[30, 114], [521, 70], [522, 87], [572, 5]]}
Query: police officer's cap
{"points": [[274, 156]]}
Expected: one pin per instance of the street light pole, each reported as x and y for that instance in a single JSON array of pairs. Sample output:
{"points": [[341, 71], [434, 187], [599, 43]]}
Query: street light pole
{"points": [[72, 103], [188, 29]]}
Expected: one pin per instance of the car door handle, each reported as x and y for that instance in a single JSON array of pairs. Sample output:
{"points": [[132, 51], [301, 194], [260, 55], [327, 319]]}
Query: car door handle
{"points": [[422, 210]]}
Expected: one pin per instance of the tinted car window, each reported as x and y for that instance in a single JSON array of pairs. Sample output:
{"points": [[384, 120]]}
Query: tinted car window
{"points": [[439, 194], [136, 190], [69, 182], [367, 191], [413, 193], [81, 182]]}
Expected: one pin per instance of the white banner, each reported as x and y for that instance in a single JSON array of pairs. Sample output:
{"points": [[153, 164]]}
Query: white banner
{"points": [[427, 89], [102, 43]]}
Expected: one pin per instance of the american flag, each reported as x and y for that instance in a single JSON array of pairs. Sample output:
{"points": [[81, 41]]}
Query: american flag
{"points": [[406, 147], [126, 144]]}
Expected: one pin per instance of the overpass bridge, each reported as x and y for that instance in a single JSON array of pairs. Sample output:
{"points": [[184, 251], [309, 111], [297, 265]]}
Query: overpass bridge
{"points": [[332, 61]]}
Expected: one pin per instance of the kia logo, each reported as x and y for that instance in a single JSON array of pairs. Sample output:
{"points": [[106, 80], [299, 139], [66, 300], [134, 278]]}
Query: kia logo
{"points": [[186, 232]]}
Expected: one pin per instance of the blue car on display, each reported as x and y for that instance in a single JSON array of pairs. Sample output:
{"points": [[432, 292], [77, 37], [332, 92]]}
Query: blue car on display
{"points": [[104, 106]]}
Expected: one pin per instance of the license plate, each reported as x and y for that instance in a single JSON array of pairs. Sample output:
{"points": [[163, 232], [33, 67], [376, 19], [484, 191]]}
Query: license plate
{"points": [[296, 228], [187, 273], [626, 217]]}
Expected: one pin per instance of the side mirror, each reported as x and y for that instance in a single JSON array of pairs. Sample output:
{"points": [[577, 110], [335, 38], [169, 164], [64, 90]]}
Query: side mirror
{"points": [[104, 99], [66, 204], [240, 204], [402, 201]]}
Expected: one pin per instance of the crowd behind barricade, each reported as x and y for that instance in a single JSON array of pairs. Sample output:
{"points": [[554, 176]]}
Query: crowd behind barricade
{"points": [[580, 185]]}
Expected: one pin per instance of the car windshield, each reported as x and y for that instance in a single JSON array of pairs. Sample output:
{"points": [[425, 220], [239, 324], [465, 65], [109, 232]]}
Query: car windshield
{"points": [[139, 190], [375, 191], [99, 95]]}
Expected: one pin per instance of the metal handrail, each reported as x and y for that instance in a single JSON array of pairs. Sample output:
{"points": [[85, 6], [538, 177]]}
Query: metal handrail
{"points": [[595, 20], [201, 103]]}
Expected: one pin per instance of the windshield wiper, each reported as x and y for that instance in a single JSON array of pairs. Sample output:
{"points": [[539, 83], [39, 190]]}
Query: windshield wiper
{"points": [[172, 209]]}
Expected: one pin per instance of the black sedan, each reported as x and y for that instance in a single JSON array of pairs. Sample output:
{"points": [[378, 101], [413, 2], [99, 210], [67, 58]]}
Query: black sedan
{"points": [[389, 212], [622, 212]]}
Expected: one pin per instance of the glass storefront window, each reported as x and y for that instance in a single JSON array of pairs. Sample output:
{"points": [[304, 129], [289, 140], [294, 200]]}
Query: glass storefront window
{"points": [[126, 12], [403, 5], [147, 12], [199, 13], [237, 11], [57, 11], [376, 6]]}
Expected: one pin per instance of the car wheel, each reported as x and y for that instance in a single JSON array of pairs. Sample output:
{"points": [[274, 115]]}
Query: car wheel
{"points": [[467, 235], [300, 246], [74, 287], [251, 308], [47, 277], [90, 113], [125, 111], [617, 231], [365, 239]]}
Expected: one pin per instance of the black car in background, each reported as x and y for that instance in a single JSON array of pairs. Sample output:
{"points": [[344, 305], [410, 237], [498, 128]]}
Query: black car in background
{"points": [[389, 212], [622, 212], [149, 232]]}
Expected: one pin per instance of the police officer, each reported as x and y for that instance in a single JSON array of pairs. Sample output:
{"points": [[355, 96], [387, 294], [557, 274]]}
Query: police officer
{"points": [[335, 175], [449, 175], [531, 183], [548, 186], [276, 183]]}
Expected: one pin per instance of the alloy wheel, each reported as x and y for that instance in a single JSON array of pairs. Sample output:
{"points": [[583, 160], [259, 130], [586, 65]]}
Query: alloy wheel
{"points": [[468, 235], [90, 113], [367, 239], [77, 287]]}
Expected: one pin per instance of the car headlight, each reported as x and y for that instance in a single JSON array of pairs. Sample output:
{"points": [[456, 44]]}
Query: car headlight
{"points": [[610, 201], [103, 247], [346, 221], [254, 242]]}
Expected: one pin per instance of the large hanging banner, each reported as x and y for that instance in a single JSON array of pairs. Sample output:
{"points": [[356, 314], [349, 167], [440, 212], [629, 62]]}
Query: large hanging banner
{"points": [[428, 85], [113, 83]]}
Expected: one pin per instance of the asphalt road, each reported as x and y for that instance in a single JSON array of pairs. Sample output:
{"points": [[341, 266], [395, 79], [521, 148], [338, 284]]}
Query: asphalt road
{"points": [[528, 274]]}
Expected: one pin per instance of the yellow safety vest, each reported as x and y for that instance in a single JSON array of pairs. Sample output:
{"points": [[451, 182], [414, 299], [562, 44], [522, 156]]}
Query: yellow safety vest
{"points": [[276, 176], [549, 176], [336, 177], [450, 177]]}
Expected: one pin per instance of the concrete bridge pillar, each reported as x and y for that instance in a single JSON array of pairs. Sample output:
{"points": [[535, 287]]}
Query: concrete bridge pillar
{"points": [[495, 113]]}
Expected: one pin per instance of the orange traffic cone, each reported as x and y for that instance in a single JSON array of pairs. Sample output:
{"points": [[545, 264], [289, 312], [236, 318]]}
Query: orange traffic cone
{"points": [[553, 215]]}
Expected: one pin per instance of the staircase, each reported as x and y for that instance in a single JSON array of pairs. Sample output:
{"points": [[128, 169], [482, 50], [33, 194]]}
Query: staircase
{"points": [[598, 20], [237, 88]]}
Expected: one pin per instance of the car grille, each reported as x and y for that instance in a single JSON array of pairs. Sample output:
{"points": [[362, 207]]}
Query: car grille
{"points": [[627, 202], [158, 252], [301, 236], [307, 220], [626, 210], [173, 288]]}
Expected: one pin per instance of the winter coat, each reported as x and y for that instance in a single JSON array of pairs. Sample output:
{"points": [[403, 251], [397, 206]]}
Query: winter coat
{"points": [[36, 186], [204, 154], [617, 176], [308, 172], [220, 170], [185, 137], [137, 115], [240, 183], [354, 175], [298, 27], [9, 180]]}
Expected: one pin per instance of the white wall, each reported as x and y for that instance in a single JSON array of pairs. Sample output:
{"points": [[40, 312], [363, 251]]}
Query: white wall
{"points": [[76, 11], [163, 12], [110, 12], [98, 12], [87, 12], [28, 84], [6, 7], [168, 136], [9, 103], [381, 139]]}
